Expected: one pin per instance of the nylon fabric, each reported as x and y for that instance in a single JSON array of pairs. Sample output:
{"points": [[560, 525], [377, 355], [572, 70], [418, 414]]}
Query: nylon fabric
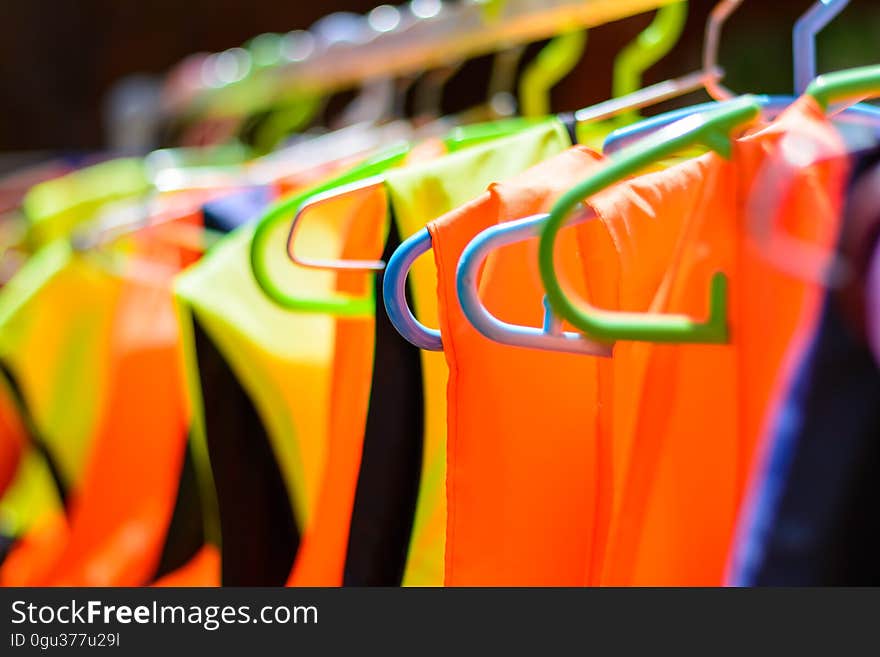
{"points": [[679, 423], [419, 194], [521, 451]]}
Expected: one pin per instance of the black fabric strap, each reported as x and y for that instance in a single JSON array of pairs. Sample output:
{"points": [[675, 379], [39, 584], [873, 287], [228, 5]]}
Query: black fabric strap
{"points": [[260, 536], [186, 531], [391, 462], [34, 437]]}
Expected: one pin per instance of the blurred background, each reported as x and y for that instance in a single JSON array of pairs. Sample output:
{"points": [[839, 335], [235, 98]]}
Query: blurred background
{"points": [[62, 57], [92, 394]]}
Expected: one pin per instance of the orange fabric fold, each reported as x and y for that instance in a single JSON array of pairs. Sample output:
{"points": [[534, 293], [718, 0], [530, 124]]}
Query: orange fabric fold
{"points": [[679, 422], [521, 458]]}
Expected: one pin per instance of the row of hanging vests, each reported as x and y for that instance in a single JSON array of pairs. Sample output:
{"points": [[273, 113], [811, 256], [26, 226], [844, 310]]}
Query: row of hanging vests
{"points": [[222, 368]]}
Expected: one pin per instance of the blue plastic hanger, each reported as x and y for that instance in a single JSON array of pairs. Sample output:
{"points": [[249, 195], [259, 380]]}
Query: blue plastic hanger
{"points": [[394, 280], [394, 293], [847, 84], [710, 128], [770, 105], [804, 45], [804, 39], [550, 337]]}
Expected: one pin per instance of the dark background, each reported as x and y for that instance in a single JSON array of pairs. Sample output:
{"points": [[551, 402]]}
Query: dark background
{"points": [[60, 57]]}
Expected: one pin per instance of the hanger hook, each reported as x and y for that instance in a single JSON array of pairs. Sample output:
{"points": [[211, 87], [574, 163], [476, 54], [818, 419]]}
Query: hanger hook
{"points": [[649, 47], [804, 39], [712, 129], [717, 18], [550, 336], [556, 60]]}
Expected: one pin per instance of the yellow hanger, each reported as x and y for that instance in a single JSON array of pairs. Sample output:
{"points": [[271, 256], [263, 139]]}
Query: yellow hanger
{"points": [[561, 55], [556, 60], [649, 47]]}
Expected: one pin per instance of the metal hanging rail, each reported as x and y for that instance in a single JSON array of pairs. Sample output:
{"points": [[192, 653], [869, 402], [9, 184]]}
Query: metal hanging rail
{"points": [[418, 36]]}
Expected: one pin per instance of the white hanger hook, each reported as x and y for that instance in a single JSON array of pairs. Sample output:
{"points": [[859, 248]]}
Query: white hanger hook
{"points": [[804, 39], [719, 15]]}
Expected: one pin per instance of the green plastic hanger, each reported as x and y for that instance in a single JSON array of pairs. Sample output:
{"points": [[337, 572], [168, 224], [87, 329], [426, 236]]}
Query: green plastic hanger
{"points": [[555, 61], [712, 129], [561, 55], [343, 305], [649, 47], [845, 86], [368, 172]]}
